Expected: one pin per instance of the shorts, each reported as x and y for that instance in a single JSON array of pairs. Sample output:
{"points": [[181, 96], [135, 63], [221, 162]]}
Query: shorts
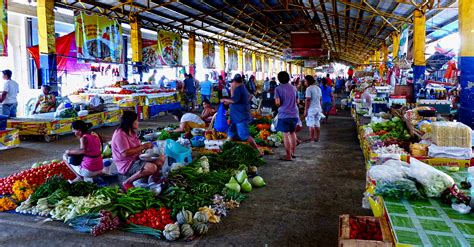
{"points": [[86, 173], [327, 106], [8, 110], [286, 125], [313, 119], [240, 130], [136, 166], [188, 126], [204, 97], [190, 97]]}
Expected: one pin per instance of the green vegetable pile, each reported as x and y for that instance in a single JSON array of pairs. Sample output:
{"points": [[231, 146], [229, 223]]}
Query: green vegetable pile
{"points": [[233, 155], [395, 127], [169, 135]]}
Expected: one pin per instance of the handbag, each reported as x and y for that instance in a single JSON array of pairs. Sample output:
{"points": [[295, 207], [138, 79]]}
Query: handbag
{"points": [[220, 123], [75, 160], [333, 111]]}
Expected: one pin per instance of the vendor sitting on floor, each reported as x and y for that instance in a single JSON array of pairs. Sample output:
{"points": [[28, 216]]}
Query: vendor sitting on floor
{"points": [[208, 111], [188, 121], [126, 148], [90, 151], [46, 101]]}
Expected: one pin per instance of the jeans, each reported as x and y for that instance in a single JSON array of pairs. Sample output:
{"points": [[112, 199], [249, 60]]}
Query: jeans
{"points": [[203, 97], [9, 109]]}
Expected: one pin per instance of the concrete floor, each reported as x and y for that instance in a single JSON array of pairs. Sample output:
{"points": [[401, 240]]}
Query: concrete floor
{"points": [[298, 207]]}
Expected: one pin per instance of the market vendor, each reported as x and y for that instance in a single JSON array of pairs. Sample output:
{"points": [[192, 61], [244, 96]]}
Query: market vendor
{"points": [[126, 148], [90, 150], [188, 121], [46, 101], [239, 112]]}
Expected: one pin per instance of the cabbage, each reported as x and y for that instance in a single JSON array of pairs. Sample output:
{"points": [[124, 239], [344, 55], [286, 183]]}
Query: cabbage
{"points": [[246, 186], [258, 182], [233, 186], [241, 176]]}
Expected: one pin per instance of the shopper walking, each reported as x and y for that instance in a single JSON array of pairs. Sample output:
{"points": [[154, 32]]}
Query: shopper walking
{"points": [[221, 87], [266, 85], [239, 112], [251, 87], [8, 95], [312, 111], [190, 90], [327, 99], [126, 148], [206, 89], [90, 150], [285, 99]]}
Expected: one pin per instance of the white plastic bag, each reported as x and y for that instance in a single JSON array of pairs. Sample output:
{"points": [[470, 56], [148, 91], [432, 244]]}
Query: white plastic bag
{"points": [[434, 181]]}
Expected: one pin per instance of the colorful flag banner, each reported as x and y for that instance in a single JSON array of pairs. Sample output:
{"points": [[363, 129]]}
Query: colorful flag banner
{"points": [[3, 28], [248, 62], [98, 38], [150, 56]]}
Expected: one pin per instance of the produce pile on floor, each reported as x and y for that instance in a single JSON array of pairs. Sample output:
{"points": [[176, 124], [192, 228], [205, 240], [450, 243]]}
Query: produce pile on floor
{"points": [[192, 198]]}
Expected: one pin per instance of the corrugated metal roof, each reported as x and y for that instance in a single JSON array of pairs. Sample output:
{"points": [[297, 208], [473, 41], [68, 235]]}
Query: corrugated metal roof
{"points": [[350, 28]]}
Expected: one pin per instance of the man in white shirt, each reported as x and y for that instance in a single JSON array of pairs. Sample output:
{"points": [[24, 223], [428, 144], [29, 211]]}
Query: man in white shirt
{"points": [[9, 92], [188, 121], [313, 110]]}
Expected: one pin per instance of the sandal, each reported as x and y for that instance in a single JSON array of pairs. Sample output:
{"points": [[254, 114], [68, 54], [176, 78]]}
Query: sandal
{"points": [[285, 159]]}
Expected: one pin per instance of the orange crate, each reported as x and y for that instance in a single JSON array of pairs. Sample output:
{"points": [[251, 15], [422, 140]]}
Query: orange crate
{"points": [[346, 241]]}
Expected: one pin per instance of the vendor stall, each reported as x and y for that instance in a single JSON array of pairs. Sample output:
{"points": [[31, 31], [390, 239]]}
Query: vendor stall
{"points": [[47, 126], [9, 138]]}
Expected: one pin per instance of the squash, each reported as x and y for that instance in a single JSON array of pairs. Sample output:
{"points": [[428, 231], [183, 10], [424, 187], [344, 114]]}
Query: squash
{"points": [[186, 231], [171, 232], [200, 228], [201, 217], [184, 217]]}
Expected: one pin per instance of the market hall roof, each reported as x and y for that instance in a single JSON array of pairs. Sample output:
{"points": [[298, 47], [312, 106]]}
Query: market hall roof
{"points": [[349, 28]]}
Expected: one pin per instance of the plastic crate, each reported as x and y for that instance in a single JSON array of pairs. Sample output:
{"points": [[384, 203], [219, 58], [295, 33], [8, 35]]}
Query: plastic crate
{"points": [[379, 107], [3, 122]]}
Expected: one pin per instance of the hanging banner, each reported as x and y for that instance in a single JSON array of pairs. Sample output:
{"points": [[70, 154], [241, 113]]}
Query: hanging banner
{"points": [[259, 63], [3, 28], [170, 48], [98, 38], [150, 53], [233, 59], [209, 54], [266, 66], [248, 61], [403, 51]]}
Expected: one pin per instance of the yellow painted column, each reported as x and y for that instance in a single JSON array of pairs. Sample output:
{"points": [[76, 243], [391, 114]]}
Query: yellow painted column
{"points": [[377, 57], [240, 60], [47, 43], [262, 58], [396, 44], [284, 65], [290, 69], [222, 58], [419, 36], [385, 52], [254, 63], [136, 39], [192, 53], [466, 61]]}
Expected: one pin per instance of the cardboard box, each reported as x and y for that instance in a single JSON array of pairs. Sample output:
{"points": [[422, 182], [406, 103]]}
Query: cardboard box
{"points": [[346, 241]]}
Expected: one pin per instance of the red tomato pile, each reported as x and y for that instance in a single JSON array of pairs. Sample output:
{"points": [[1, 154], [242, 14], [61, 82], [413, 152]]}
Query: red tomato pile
{"points": [[153, 218], [362, 228], [35, 176]]}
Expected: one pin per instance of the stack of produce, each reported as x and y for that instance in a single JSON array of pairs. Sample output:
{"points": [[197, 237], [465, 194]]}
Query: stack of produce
{"points": [[35, 176]]}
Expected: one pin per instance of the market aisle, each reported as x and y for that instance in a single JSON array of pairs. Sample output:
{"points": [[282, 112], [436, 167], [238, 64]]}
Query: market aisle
{"points": [[298, 207]]}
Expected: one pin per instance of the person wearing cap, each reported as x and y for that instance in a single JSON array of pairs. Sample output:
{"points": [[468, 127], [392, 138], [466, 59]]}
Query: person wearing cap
{"points": [[8, 95], [239, 112]]}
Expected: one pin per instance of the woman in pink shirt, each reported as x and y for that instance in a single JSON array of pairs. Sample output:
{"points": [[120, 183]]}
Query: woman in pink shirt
{"points": [[92, 164], [126, 148]]}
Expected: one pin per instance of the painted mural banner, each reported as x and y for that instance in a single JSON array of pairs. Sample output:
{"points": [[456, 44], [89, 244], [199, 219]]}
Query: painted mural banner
{"points": [[98, 38], [150, 56], [170, 48], [3, 28], [233, 59], [209, 55], [259, 63], [248, 62]]}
